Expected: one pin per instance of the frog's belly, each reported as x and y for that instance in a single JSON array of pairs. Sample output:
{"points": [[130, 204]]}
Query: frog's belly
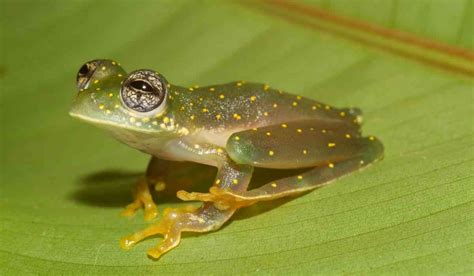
{"points": [[148, 143], [170, 147]]}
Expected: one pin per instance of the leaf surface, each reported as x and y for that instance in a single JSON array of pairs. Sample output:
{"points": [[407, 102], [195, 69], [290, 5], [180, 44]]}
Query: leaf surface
{"points": [[411, 213]]}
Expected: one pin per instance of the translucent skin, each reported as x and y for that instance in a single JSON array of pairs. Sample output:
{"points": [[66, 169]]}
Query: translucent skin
{"points": [[235, 127]]}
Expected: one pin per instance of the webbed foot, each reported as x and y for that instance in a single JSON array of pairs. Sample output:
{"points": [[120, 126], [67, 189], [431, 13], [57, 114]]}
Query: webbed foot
{"points": [[142, 199], [173, 223]]}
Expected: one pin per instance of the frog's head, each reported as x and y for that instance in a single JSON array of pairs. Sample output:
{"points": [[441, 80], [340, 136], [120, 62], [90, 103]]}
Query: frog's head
{"points": [[132, 106]]}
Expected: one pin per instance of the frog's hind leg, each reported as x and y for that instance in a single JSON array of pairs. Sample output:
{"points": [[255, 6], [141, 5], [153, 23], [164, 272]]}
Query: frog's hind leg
{"points": [[371, 151], [334, 149]]}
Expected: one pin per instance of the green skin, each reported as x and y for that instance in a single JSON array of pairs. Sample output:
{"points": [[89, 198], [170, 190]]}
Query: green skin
{"points": [[235, 127]]}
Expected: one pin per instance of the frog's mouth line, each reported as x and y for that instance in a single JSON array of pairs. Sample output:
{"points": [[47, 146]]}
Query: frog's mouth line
{"points": [[107, 124]]}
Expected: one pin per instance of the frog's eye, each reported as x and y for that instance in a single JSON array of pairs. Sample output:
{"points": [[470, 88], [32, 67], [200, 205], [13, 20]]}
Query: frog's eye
{"points": [[144, 91], [85, 73]]}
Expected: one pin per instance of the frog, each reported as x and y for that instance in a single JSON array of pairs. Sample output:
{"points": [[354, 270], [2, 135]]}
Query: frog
{"points": [[235, 127]]}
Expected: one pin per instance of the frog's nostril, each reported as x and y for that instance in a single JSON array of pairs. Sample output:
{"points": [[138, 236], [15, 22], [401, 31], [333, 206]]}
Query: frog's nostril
{"points": [[84, 70], [85, 73]]}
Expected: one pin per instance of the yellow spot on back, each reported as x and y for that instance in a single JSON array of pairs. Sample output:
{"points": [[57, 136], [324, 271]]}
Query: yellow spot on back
{"points": [[299, 130], [237, 138], [331, 165], [314, 107], [96, 81], [331, 145], [218, 116], [274, 185], [166, 120], [235, 181], [221, 96], [327, 107], [305, 152], [219, 150], [119, 75], [192, 117], [294, 104], [196, 86], [298, 98], [191, 89], [371, 138], [254, 129], [196, 146], [238, 83], [237, 116], [103, 68], [111, 94], [253, 98], [97, 89], [268, 133], [299, 177], [108, 111], [114, 63], [271, 153], [348, 136], [205, 110], [342, 113], [145, 119], [284, 125], [275, 105], [218, 181], [266, 87], [132, 120], [212, 89], [361, 162], [101, 106], [265, 113], [323, 131]]}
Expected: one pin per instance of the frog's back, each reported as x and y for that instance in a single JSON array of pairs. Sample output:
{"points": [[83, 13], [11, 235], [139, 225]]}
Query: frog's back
{"points": [[244, 105]]}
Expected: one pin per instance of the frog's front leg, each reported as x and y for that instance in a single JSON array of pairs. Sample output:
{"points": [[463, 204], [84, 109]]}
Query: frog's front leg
{"points": [[209, 217], [141, 193]]}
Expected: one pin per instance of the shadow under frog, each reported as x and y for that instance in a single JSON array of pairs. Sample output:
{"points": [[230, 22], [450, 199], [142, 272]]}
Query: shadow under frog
{"points": [[111, 188]]}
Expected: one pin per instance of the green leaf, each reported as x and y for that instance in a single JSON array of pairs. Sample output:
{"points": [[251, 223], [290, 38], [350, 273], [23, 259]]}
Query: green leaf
{"points": [[63, 182]]}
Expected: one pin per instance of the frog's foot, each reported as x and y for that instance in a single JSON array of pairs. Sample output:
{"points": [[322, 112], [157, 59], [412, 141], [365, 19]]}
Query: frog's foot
{"points": [[176, 221], [142, 198], [222, 199]]}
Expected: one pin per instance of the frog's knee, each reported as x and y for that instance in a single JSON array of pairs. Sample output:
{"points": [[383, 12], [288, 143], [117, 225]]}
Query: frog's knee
{"points": [[240, 150]]}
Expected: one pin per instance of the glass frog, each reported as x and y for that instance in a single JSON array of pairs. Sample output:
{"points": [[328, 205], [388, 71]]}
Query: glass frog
{"points": [[235, 127]]}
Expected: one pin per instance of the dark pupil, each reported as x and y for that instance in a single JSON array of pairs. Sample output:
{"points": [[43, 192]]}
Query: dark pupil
{"points": [[141, 85]]}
